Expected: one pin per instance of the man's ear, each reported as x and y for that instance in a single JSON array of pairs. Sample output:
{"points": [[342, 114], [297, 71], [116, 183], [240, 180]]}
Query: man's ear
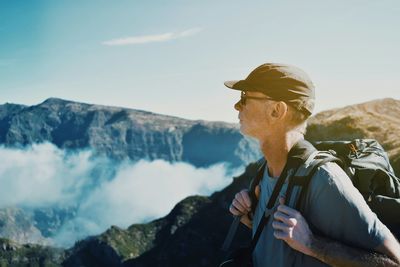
{"points": [[280, 110], [275, 112]]}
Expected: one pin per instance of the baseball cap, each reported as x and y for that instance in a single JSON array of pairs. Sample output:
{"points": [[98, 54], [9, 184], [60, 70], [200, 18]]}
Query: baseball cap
{"points": [[281, 82]]}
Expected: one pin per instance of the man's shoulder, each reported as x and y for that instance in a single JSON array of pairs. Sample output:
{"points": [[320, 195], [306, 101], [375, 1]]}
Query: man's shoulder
{"points": [[331, 189], [330, 172], [331, 176]]}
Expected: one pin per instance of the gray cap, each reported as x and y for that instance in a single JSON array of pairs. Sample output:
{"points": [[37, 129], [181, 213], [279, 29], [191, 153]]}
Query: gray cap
{"points": [[282, 83]]}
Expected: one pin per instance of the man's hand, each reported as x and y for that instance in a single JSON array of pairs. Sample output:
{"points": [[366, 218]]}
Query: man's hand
{"points": [[290, 226], [241, 205]]}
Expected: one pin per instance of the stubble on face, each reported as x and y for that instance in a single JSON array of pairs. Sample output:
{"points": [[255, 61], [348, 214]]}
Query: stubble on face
{"points": [[253, 117]]}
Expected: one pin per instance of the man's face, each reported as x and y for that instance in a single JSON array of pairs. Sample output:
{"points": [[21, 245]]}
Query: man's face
{"points": [[253, 113]]}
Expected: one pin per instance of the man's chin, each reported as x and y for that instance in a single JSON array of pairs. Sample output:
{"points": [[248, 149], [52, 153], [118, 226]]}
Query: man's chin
{"points": [[245, 131]]}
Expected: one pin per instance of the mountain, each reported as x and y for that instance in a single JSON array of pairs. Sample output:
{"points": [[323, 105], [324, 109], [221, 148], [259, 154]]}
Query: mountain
{"points": [[118, 133], [122, 133], [193, 232]]}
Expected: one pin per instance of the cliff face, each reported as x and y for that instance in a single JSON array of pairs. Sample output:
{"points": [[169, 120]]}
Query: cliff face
{"points": [[125, 133]]}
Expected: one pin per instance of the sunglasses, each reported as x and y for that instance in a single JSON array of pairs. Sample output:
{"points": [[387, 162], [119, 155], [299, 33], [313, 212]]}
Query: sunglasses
{"points": [[244, 97]]}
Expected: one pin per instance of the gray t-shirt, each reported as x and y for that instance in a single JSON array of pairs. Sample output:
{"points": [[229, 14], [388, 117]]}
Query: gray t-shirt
{"points": [[333, 206]]}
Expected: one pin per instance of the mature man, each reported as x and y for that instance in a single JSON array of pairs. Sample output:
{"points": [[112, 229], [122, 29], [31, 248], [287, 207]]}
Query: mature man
{"points": [[276, 101]]}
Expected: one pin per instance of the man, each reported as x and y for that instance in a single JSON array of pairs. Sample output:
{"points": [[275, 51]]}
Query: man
{"points": [[276, 101]]}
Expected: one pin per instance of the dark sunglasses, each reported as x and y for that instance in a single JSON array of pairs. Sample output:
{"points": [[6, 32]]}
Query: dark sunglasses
{"points": [[244, 97]]}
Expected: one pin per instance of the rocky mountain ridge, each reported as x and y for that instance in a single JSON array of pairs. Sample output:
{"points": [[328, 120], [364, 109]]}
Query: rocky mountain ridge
{"points": [[124, 133]]}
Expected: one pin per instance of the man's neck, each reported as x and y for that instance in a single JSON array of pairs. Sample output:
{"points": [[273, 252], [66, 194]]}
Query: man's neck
{"points": [[276, 151]]}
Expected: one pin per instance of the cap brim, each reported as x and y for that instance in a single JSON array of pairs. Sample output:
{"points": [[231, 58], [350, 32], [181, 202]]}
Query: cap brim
{"points": [[232, 84]]}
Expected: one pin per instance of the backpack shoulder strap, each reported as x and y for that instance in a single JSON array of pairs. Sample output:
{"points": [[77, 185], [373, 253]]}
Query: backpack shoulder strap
{"points": [[299, 183], [271, 207], [236, 221], [298, 180], [262, 163], [272, 200]]}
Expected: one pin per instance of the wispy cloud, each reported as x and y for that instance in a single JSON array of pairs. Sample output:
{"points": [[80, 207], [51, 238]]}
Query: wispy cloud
{"points": [[100, 191], [144, 39]]}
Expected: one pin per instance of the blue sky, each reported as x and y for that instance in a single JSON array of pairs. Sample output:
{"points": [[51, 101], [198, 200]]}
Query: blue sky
{"points": [[172, 57]]}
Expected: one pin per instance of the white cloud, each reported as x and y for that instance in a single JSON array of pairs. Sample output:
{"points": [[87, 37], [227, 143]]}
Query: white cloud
{"points": [[105, 192], [41, 175], [139, 193], [151, 38]]}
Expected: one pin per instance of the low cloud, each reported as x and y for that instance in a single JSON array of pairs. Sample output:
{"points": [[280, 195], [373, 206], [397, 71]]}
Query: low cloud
{"points": [[42, 175], [143, 39], [103, 191]]}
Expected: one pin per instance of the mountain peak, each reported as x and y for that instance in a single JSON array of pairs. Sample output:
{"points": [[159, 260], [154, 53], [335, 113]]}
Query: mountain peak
{"points": [[55, 101], [386, 107]]}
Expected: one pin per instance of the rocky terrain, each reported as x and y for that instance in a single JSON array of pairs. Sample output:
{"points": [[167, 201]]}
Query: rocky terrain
{"points": [[193, 232], [124, 133], [14, 254]]}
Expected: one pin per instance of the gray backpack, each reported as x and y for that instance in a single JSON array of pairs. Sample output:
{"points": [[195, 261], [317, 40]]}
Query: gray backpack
{"points": [[364, 161], [368, 166]]}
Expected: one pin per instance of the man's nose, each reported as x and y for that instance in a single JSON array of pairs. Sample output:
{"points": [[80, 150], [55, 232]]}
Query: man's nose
{"points": [[238, 106]]}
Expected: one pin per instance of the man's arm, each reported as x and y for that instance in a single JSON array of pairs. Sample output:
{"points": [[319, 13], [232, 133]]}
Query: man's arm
{"points": [[338, 254], [291, 227]]}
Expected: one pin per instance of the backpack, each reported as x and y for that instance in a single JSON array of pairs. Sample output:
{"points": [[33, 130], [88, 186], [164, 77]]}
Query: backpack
{"points": [[364, 161], [368, 166]]}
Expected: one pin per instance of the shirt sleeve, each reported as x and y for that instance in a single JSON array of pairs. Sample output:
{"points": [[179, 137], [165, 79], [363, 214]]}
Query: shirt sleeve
{"points": [[338, 210]]}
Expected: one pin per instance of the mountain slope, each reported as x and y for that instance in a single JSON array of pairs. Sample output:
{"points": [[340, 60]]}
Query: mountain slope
{"points": [[190, 235], [14, 254], [125, 133]]}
